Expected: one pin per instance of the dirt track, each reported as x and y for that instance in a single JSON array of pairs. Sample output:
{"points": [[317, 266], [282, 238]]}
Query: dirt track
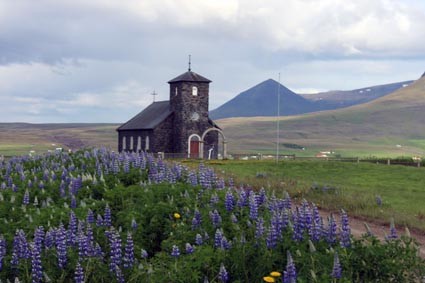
{"points": [[358, 228]]}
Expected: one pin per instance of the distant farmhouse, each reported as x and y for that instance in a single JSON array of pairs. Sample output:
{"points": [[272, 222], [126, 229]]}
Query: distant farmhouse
{"points": [[179, 127]]}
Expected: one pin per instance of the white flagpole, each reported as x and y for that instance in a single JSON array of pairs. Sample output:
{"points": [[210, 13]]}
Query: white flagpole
{"points": [[277, 121]]}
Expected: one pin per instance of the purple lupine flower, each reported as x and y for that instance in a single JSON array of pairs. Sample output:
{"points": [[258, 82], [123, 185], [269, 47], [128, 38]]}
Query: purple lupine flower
{"points": [[223, 275], [214, 199], [118, 273], [271, 240], [345, 237], [115, 246], [126, 165], [259, 228], [337, 269], [253, 207], [49, 240], [73, 202], [192, 178], [198, 240], [129, 252], [189, 248], [20, 248], [62, 192], [229, 201], [98, 251], [233, 218], [215, 218], [290, 274], [99, 220], [133, 224], [36, 268], [79, 273], [2, 251], [316, 234], [225, 244], [61, 246], [307, 216], [242, 198], [26, 199], [218, 237], [393, 231], [196, 220], [175, 251], [90, 217], [107, 219], [144, 254], [298, 229], [72, 229], [83, 245], [331, 231], [90, 241]]}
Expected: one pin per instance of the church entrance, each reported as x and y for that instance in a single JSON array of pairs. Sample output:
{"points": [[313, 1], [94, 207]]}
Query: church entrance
{"points": [[194, 145], [222, 153]]}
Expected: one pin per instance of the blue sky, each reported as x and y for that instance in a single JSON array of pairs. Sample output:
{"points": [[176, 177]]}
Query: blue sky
{"points": [[99, 60]]}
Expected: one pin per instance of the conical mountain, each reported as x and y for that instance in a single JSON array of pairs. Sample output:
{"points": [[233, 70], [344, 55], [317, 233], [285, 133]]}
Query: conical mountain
{"points": [[261, 100], [393, 124]]}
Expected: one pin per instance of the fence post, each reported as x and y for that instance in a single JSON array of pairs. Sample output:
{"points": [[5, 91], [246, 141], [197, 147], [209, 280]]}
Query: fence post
{"points": [[389, 162]]}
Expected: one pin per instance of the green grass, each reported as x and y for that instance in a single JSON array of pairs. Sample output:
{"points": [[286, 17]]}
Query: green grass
{"points": [[355, 186], [23, 149]]}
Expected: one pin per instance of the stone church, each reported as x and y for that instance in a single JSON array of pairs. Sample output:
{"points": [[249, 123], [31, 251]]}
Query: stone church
{"points": [[179, 127]]}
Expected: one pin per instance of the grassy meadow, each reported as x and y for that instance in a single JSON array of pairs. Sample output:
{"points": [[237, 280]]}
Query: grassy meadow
{"points": [[335, 185]]}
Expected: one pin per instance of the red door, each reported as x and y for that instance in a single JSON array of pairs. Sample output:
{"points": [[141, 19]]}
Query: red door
{"points": [[194, 149]]}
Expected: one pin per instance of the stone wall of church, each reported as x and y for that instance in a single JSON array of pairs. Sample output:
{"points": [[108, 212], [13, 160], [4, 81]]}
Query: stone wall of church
{"points": [[163, 136], [135, 140]]}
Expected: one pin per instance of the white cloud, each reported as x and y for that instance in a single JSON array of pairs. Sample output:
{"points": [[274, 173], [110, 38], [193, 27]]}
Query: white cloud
{"points": [[100, 59]]}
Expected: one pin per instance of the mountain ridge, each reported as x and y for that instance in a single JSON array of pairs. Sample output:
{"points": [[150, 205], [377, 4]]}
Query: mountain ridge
{"points": [[261, 100]]}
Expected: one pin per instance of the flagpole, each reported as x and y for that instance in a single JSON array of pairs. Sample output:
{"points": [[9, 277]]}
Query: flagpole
{"points": [[278, 121]]}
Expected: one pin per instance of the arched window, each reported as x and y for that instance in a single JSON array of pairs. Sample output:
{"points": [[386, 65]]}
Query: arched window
{"points": [[131, 143], [124, 143], [176, 91], [194, 91], [139, 143], [147, 143]]}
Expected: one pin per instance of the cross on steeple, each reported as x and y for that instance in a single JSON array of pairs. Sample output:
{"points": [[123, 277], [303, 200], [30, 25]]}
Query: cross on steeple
{"points": [[189, 63], [154, 94]]}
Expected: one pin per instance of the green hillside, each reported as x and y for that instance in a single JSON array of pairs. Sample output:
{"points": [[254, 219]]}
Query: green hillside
{"points": [[393, 125]]}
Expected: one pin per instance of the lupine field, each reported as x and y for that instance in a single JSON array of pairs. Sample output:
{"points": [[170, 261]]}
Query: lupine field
{"points": [[100, 216]]}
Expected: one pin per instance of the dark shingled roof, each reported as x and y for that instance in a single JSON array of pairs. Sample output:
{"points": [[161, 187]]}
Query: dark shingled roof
{"points": [[149, 118], [190, 76]]}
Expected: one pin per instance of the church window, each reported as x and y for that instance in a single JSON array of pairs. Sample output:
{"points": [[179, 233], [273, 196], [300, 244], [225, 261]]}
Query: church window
{"points": [[194, 91], [147, 143], [131, 143], [139, 143], [176, 91], [124, 143]]}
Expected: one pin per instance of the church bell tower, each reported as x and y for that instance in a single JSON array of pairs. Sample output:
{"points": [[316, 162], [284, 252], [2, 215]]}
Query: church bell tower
{"points": [[189, 98]]}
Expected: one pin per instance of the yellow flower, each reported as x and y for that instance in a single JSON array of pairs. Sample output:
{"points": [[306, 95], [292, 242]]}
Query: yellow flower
{"points": [[269, 279], [176, 215], [275, 274]]}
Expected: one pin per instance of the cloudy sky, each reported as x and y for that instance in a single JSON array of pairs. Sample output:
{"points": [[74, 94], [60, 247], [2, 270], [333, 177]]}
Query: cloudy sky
{"points": [[99, 60]]}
